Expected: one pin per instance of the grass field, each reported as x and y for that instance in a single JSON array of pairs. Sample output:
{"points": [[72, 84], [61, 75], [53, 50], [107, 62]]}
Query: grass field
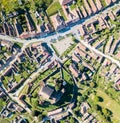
{"points": [[4, 120], [53, 8], [111, 104]]}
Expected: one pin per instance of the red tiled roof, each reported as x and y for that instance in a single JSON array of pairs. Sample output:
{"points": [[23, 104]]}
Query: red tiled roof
{"points": [[118, 82]]}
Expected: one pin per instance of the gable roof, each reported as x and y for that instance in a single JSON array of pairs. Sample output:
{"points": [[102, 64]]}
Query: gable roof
{"points": [[64, 2], [46, 92]]}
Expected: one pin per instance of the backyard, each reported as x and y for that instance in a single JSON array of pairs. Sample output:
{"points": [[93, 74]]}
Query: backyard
{"points": [[54, 8]]}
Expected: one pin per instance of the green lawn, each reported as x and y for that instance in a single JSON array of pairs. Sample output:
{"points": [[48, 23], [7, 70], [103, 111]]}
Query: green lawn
{"points": [[24, 90], [103, 3], [19, 45], [18, 77], [73, 6], [111, 104], [56, 51], [25, 74], [69, 49], [54, 8], [62, 14], [4, 120]]}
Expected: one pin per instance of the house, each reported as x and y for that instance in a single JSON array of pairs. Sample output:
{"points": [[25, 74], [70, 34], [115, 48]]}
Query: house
{"points": [[1, 93], [82, 30], [58, 22], [112, 69], [54, 112], [84, 76], [84, 11], [89, 119], [75, 58], [65, 2], [114, 46], [8, 44], [18, 28], [58, 114], [81, 46], [11, 106], [74, 70], [91, 27], [93, 6], [99, 5], [106, 62], [111, 15], [117, 85], [46, 91], [84, 107], [114, 1], [19, 119], [14, 107], [108, 2], [5, 113], [116, 11], [29, 22], [101, 23], [5, 28], [88, 8], [85, 116], [79, 51]]}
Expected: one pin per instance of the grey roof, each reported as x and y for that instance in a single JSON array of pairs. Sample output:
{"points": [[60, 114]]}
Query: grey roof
{"points": [[66, 2], [46, 91]]}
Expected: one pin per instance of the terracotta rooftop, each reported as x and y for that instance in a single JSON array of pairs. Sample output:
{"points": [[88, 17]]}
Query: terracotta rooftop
{"points": [[88, 7], [98, 4], [82, 30], [93, 6], [108, 2], [74, 70], [83, 11]]}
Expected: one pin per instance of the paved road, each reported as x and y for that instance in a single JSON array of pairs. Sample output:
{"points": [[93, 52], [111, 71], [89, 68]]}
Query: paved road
{"points": [[98, 52], [70, 111], [13, 59], [56, 35], [47, 40]]}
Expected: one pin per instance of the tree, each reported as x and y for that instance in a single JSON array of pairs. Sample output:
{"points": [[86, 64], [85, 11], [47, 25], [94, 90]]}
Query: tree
{"points": [[44, 113], [72, 120], [96, 98], [34, 94], [106, 112], [92, 84], [80, 99], [34, 112], [97, 107], [39, 118]]}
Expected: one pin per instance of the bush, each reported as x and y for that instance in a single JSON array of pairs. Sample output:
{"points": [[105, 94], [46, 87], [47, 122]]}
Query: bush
{"points": [[35, 113], [40, 118], [55, 50]]}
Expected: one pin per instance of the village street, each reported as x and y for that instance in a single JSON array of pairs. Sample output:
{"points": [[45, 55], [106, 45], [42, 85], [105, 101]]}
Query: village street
{"points": [[72, 30], [47, 40]]}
